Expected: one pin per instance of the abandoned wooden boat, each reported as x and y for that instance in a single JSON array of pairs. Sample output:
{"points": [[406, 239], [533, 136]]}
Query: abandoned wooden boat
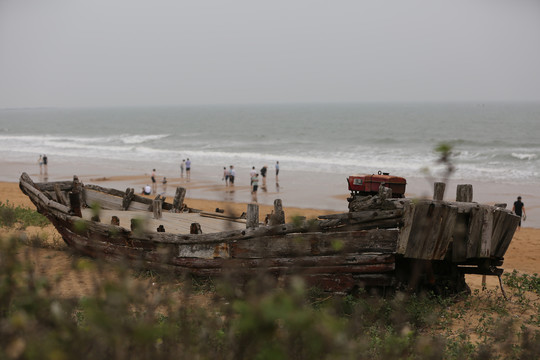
{"points": [[382, 242]]}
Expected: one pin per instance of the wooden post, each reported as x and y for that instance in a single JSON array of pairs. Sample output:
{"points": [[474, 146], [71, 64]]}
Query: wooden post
{"points": [[195, 228], [78, 188], [156, 207], [128, 197], [252, 219], [438, 191], [278, 217], [464, 193], [179, 199], [75, 201]]}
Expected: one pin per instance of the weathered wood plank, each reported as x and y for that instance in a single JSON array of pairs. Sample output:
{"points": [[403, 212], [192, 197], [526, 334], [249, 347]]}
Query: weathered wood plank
{"points": [[506, 234], [405, 231], [49, 186], [285, 262], [60, 195], [365, 216], [459, 242], [314, 244], [430, 236], [28, 189], [487, 232], [105, 201]]}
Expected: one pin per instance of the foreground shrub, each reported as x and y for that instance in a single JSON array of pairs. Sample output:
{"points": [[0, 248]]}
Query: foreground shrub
{"points": [[147, 315]]}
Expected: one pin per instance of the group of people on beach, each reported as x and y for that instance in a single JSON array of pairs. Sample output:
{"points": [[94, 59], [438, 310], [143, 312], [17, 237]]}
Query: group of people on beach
{"points": [[42, 161], [185, 164], [229, 175]]}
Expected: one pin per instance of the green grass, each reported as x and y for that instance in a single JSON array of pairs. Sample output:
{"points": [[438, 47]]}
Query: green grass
{"points": [[20, 217]]}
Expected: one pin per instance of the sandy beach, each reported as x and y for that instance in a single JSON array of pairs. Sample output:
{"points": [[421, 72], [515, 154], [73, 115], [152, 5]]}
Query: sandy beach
{"points": [[300, 189]]}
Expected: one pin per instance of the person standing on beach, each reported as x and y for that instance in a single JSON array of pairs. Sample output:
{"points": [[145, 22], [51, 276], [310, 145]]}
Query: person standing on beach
{"points": [[154, 184], [226, 176], [182, 166], [164, 183], [252, 173], [519, 210], [277, 171], [45, 163], [263, 174], [254, 187], [232, 174], [40, 162], [188, 168]]}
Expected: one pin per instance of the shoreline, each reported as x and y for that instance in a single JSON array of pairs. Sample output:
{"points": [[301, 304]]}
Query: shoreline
{"points": [[299, 189]]}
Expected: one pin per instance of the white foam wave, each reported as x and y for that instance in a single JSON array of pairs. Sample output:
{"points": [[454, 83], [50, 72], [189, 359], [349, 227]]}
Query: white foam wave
{"points": [[524, 156], [139, 139]]}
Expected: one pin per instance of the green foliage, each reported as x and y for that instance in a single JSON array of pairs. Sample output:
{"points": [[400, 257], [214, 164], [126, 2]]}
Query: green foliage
{"points": [[137, 316], [23, 217], [522, 282]]}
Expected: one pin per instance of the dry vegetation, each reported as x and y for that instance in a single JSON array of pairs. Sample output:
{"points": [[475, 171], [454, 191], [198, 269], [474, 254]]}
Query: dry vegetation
{"points": [[87, 309]]}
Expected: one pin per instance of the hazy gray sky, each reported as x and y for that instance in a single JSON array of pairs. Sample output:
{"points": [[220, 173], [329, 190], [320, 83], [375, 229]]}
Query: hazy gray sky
{"points": [[134, 52]]}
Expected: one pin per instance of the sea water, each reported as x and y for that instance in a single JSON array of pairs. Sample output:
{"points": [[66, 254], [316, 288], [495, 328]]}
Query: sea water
{"points": [[494, 141]]}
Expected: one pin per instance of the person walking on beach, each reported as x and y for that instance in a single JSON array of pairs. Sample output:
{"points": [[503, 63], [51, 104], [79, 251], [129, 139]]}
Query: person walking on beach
{"points": [[264, 169], [182, 166], [154, 184], [45, 163], [188, 169], [40, 162], [232, 174], [254, 187], [519, 210], [277, 171], [226, 176]]}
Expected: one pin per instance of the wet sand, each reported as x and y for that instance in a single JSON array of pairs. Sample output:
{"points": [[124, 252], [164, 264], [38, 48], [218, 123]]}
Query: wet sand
{"points": [[300, 189]]}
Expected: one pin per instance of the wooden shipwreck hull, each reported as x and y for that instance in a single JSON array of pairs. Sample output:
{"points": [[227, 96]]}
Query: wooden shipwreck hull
{"points": [[383, 243]]}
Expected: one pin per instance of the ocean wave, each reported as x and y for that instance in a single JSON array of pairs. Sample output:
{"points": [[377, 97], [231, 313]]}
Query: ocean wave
{"points": [[140, 139], [524, 156]]}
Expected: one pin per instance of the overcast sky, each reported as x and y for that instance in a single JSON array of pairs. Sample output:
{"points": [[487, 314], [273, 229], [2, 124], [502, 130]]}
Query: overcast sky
{"points": [[167, 52]]}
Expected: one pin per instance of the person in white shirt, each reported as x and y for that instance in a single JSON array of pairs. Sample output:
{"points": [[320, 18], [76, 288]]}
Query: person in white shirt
{"points": [[252, 174], [147, 190]]}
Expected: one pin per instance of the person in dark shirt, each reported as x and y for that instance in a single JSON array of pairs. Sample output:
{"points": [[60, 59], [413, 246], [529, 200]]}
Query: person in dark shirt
{"points": [[263, 174], [519, 209]]}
